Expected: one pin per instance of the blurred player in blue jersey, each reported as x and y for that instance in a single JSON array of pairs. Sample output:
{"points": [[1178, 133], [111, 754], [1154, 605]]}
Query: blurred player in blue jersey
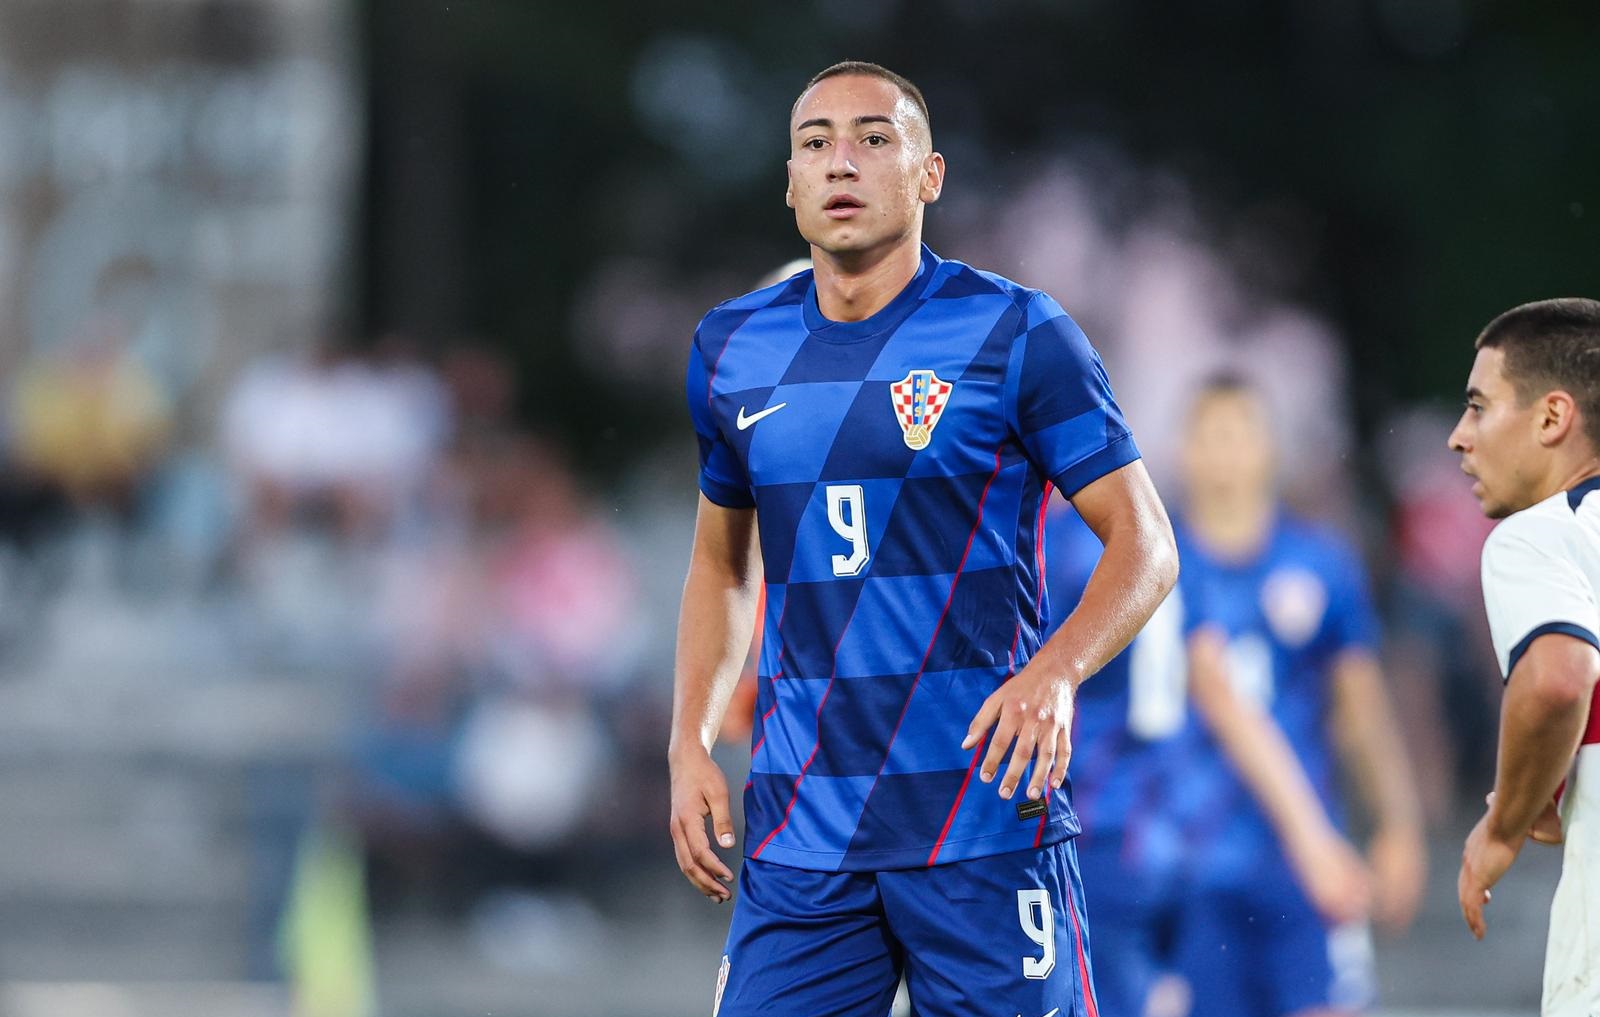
{"points": [[878, 439], [1275, 907], [1126, 749], [1133, 739]]}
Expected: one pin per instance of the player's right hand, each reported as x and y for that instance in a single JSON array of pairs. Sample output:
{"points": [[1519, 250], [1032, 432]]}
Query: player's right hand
{"points": [[699, 789], [1030, 716], [1334, 877]]}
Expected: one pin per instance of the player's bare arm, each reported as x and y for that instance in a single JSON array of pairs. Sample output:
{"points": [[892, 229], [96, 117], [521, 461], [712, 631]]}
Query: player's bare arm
{"points": [[1369, 742], [714, 625], [1541, 723], [1031, 714], [1327, 866]]}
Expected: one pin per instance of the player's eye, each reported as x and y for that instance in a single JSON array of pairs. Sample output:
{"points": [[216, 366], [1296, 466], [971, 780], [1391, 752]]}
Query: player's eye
{"points": [[875, 141], [815, 144], [1474, 408]]}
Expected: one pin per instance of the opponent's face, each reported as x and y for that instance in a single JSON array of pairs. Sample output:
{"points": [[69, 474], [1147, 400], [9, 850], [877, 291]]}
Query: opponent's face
{"points": [[1498, 439], [1228, 452], [860, 165]]}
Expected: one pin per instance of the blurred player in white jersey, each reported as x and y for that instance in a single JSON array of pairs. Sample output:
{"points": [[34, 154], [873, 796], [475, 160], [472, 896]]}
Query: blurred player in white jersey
{"points": [[1529, 436]]}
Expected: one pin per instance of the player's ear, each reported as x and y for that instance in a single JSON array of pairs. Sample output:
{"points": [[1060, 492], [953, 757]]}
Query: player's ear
{"points": [[788, 191], [932, 177], [1558, 415]]}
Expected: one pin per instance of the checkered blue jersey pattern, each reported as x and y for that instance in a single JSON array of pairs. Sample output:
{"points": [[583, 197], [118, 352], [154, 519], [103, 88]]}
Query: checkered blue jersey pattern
{"points": [[900, 547]]}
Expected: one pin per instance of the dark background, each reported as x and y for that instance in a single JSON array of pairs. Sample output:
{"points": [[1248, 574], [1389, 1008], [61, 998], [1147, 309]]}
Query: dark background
{"points": [[1412, 168]]}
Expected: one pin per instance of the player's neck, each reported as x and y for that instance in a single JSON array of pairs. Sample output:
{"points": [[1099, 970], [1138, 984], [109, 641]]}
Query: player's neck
{"points": [[855, 287], [1232, 528], [1570, 475]]}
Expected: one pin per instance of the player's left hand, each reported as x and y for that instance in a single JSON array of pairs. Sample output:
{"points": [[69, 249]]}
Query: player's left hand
{"points": [[1031, 716], [1483, 861], [1546, 828]]}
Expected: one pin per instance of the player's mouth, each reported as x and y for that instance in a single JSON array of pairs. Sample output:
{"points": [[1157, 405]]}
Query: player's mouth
{"points": [[842, 206]]}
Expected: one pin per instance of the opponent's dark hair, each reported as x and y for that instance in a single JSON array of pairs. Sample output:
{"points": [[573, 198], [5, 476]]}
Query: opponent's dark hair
{"points": [[870, 70], [1549, 345]]}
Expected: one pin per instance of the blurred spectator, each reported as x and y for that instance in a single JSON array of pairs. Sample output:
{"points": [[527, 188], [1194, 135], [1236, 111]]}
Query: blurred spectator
{"points": [[333, 436], [91, 421], [506, 618], [480, 388]]}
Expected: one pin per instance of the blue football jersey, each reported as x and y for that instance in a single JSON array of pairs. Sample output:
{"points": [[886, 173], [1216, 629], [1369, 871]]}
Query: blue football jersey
{"points": [[899, 467], [1129, 718], [1288, 613]]}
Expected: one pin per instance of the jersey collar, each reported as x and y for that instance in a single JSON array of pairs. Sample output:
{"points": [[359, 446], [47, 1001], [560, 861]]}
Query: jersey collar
{"points": [[890, 315], [1575, 496]]}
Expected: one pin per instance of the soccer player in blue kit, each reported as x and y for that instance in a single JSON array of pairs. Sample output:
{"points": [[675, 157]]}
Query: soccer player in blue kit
{"points": [[1127, 746], [878, 438], [1273, 917]]}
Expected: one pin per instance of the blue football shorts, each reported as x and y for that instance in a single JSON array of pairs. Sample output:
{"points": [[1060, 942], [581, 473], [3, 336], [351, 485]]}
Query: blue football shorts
{"points": [[1001, 936]]}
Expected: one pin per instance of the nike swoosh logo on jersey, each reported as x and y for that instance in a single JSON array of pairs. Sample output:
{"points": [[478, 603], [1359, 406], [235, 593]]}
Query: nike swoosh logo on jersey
{"points": [[745, 421], [1052, 1013]]}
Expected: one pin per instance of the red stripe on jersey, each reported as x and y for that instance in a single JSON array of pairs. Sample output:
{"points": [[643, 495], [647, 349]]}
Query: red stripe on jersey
{"points": [[1083, 961], [767, 716], [796, 795], [949, 820], [825, 693], [1044, 505], [1038, 556], [926, 654], [1591, 734]]}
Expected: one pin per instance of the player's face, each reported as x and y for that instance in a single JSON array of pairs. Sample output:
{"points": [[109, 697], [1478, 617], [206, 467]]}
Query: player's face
{"points": [[1227, 452], [860, 168], [1497, 439]]}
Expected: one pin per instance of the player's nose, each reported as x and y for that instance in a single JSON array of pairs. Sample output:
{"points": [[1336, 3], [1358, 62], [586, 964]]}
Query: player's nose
{"points": [[842, 166]]}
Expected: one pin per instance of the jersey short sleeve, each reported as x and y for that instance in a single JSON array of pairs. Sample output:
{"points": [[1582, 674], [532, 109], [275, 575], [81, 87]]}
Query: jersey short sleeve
{"points": [[1530, 589], [722, 477], [1064, 413]]}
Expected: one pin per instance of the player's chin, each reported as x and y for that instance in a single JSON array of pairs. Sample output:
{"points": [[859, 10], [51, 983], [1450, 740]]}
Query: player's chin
{"points": [[1491, 506], [841, 239], [847, 236]]}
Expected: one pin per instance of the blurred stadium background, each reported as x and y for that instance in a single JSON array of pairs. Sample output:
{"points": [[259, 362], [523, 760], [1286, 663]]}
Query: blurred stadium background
{"points": [[347, 489]]}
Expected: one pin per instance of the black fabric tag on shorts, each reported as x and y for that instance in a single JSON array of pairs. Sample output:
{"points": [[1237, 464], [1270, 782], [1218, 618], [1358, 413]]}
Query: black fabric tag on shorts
{"points": [[1032, 809]]}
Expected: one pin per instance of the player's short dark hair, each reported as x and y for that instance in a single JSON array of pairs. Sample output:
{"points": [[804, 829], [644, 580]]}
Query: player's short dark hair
{"points": [[1549, 345], [1226, 382], [870, 70]]}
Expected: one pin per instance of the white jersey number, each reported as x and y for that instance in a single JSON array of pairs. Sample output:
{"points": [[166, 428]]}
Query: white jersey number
{"points": [[1250, 667], [1157, 672], [847, 514], [1038, 921]]}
